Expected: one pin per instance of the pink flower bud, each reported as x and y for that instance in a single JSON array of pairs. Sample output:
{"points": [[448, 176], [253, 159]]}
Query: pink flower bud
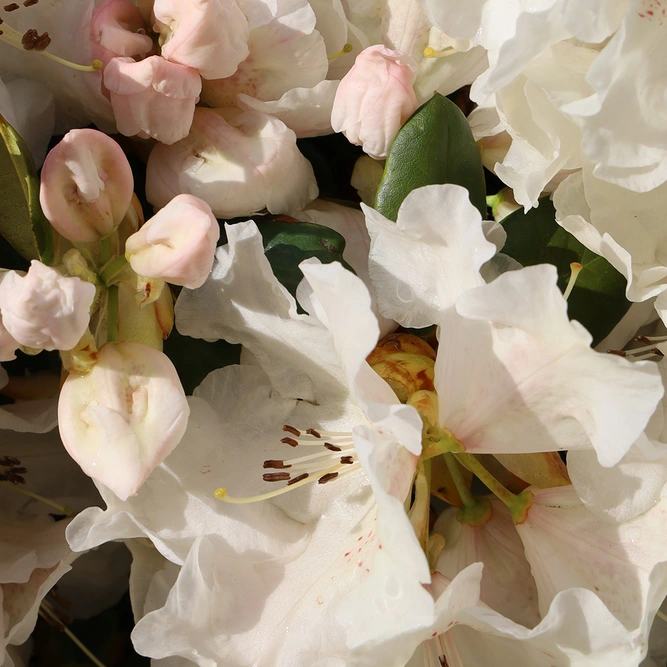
{"points": [[86, 187], [118, 29], [177, 244], [124, 417], [152, 97], [374, 99], [44, 309], [209, 35]]}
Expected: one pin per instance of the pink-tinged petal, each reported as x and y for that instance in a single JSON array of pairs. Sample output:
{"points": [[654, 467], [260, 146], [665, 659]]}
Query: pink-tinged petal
{"points": [[177, 244], [119, 29], [152, 97], [422, 263], [44, 309], [86, 186], [210, 36], [507, 585], [124, 417], [374, 99], [237, 162], [622, 563], [513, 374], [285, 53]]}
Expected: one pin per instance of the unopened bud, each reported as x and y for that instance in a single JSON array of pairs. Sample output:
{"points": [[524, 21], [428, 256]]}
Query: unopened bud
{"points": [[44, 309], [177, 244], [86, 186], [374, 99], [124, 417]]}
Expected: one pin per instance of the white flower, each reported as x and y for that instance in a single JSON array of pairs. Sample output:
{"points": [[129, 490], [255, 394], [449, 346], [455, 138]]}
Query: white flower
{"points": [[122, 418], [237, 162], [44, 309]]}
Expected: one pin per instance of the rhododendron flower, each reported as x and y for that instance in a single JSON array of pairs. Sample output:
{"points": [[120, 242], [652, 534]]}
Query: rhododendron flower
{"points": [[152, 97], [119, 29], [237, 162], [177, 244], [86, 186], [210, 36], [44, 309], [374, 99], [123, 417]]}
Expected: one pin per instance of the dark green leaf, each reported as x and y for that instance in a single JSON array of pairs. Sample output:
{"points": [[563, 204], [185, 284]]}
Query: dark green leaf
{"points": [[22, 222], [434, 146], [598, 300], [288, 242]]}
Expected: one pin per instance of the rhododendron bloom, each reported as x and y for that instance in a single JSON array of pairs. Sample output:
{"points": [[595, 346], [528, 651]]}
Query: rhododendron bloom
{"points": [[44, 309], [177, 244], [237, 162], [124, 417], [119, 29], [209, 35], [374, 99], [152, 97], [86, 186]]}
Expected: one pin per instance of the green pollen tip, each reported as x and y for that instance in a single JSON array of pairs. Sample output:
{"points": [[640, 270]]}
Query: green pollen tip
{"points": [[97, 64]]}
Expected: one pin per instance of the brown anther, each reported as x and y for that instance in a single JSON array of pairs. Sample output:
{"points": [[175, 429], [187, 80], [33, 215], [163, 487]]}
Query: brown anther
{"points": [[292, 430], [346, 459], [275, 476], [297, 479], [332, 448], [289, 441], [313, 432], [13, 478], [8, 461], [29, 39], [42, 42], [643, 339], [271, 463], [29, 3], [327, 478], [657, 351], [11, 8], [619, 353], [19, 471]]}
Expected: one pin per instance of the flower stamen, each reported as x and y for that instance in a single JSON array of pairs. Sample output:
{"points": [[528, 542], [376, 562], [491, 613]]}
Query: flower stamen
{"points": [[575, 270], [346, 49], [430, 52]]}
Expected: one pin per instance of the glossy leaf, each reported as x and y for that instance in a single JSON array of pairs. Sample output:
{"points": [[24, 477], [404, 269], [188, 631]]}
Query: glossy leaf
{"points": [[22, 222], [598, 299], [434, 146]]}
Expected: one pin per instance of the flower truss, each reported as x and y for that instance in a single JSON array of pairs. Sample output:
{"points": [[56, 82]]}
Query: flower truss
{"points": [[333, 333]]}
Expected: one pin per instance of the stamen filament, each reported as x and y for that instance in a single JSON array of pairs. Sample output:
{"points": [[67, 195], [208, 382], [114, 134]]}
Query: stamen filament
{"points": [[221, 493], [661, 615], [46, 613], [575, 269], [454, 468], [430, 52], [14, 38], [112, 313], [64, 509], [419, 511], [346, 49]]}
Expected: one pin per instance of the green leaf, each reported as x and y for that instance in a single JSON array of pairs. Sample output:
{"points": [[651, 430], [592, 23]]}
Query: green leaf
{"points": [[434, 146], [22, 222], [598, 299], [287, 242]]}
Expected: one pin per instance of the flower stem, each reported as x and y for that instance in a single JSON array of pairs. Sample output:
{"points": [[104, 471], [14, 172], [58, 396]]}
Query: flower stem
{"points": [[112, 314], [518, 504], [111, 269]]}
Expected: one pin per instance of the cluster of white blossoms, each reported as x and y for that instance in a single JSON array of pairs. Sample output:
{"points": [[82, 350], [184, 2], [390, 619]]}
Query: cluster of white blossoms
{"points": [[421, 458]]}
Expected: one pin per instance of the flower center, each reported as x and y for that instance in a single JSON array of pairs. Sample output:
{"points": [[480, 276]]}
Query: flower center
{"points": [[334, 457]]}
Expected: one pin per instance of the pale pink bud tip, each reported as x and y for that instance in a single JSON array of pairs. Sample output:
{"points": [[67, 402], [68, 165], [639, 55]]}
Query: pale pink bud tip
{"points": [[44, 309], [86, 186], [374, 99], [177, 244], [152, 97], [124, 417]]}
